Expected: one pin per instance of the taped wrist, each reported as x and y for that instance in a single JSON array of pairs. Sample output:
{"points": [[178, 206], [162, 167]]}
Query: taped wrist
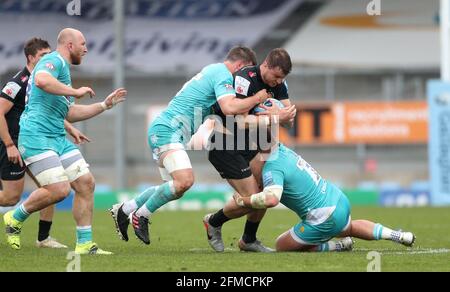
{"points": [[258, 201], [104, 106]]}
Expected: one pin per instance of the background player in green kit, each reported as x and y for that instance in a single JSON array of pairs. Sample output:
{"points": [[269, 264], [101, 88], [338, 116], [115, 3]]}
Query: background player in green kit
{"points": [[55, 162], [172, 130], [12, 104], [323, 208]]}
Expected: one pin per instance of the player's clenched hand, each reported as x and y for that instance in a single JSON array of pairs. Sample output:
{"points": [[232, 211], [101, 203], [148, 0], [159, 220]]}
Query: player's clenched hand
{"points": [[117, 96], [263, 95], [82, 91], [14, 155], [287, 114]]}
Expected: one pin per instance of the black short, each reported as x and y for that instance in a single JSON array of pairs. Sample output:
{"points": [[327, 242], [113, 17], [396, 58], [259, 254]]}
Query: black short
{"points": [[9, 170], [232, 164]]}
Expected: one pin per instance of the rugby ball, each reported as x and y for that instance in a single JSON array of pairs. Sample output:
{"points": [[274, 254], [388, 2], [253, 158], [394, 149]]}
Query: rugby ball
{"points": [[268, 103]]}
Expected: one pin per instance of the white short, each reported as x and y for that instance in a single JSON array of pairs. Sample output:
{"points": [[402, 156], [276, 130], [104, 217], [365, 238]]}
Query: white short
{"points": [[51, 168]]}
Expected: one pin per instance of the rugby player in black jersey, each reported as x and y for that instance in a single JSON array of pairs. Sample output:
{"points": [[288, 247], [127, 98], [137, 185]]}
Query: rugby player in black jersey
{"points": [[242, 167]]}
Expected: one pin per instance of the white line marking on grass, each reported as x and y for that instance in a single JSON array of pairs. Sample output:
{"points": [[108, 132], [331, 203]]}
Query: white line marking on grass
{"points": [[210, 249], [385, 251], [408, 251]]}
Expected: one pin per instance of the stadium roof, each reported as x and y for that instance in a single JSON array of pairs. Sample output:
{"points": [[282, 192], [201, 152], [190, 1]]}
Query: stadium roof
{"points": [[343, 35]]}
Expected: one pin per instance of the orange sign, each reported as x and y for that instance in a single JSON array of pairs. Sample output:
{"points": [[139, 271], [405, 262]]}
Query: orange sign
{"points": [[402, 122]]}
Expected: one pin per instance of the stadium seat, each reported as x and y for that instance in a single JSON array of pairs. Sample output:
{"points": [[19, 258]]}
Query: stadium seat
{"points": [[420, 185], [103, 188], [389, 186], [367, 185]]}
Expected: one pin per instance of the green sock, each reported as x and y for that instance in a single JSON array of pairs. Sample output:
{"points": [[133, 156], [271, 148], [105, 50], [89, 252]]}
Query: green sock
{"points": [[84, 234], [164, 194], [20, 214], [139, 201]]}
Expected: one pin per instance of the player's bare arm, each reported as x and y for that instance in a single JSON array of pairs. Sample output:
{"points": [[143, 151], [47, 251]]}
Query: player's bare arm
{"points": [[51, 85], [77, 135], [13, 152], [231, 105], [79, 113]]}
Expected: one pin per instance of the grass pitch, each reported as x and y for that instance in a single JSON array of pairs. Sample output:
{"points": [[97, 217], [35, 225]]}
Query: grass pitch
{"points": [[179, 245]]}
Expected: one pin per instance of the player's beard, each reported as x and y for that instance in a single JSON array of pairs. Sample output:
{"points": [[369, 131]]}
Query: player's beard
{"points": [[76, 59]]}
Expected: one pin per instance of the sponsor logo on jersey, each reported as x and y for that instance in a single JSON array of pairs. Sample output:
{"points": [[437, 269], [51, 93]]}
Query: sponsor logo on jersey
{"points": [[239, 89], [24, 78], [245, 169], [14, 173], [242, 84], [50, 66], [228, 86], [11, 89], [252, 74], [154, 139]]}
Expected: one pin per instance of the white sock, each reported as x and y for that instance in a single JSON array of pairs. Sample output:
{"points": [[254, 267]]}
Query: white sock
{"points": [[143, 211], [386, 233], [390, 234], [329, 246], [129, 207], [333, 245]]}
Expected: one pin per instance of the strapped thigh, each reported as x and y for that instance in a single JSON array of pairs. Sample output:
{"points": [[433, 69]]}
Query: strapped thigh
{"points": [[177, 160], [47, 168], [74, 165]]}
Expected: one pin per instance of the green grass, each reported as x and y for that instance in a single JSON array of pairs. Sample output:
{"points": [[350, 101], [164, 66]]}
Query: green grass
{"points": [[179, 244]]}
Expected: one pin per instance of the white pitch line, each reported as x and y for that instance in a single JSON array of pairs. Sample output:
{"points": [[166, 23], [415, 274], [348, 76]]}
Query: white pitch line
{"points": [[409, 251], [209, 249], [381, 250]]}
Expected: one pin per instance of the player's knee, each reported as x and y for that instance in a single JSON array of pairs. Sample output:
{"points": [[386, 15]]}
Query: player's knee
{"points": [[85, 184], [91, 183], [189, 181], [10, 196], [9, 200], [184, 185], [285, 242], [64, 192], [177, 163], [60, 191]]}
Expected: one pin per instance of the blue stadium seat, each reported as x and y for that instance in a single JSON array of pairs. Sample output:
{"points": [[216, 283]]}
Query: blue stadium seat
{"points": [[420, 185], [367, 185], [102, 188], [389, 186]]}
